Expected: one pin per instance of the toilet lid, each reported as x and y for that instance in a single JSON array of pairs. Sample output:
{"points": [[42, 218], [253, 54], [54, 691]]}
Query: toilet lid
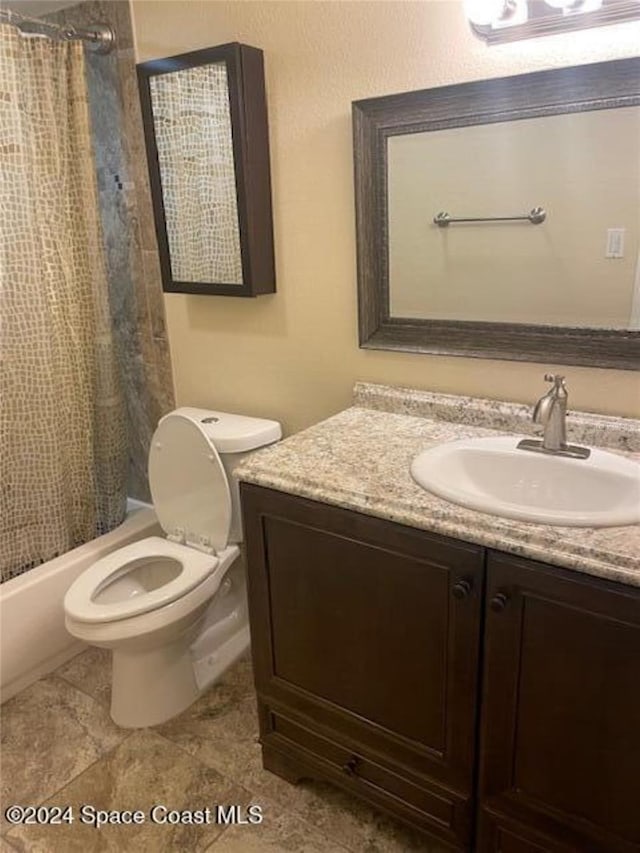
{"points": [[188, 484]]}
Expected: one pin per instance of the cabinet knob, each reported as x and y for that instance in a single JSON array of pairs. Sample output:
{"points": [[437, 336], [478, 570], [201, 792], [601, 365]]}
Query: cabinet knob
{"points": [[499, 602], [461, 589], [351, 765]]}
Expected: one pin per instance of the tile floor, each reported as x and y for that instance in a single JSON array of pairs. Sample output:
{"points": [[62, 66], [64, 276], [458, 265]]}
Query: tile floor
{"points": [[59, 746]]}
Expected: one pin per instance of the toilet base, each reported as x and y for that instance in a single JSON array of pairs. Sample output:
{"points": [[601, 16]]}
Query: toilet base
{"points": [[154, 681], [152, 686]]}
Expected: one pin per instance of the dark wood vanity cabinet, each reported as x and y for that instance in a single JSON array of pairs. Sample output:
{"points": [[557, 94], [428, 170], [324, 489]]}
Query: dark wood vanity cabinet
{"points": [[560, 758], [367, 639]]}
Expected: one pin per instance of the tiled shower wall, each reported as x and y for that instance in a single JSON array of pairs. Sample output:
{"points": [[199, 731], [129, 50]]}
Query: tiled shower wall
{"points": [[135, 285]]}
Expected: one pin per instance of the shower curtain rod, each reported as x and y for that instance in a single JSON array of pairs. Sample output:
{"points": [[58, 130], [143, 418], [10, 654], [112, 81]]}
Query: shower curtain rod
{"points": [[100, 38]]}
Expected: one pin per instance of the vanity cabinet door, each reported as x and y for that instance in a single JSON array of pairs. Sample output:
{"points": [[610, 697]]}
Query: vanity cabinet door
{"points": [[365, 639], [560, 735]]}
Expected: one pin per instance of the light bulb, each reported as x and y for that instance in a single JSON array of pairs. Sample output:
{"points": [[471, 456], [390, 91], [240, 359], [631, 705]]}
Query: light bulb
{"points": [[484, 12], [573, 7]]}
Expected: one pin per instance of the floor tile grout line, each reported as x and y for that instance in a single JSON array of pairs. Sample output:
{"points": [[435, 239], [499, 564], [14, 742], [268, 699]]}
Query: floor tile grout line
{"points": [[253, 795], [299, 818], [100, 704], [211, 846], [293, 811], [100, 758], [216, 719], [202, 763]]}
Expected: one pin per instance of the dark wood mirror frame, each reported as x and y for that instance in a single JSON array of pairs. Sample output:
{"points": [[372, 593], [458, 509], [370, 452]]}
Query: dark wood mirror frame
{"points": [[249, 128], [605, 85]]}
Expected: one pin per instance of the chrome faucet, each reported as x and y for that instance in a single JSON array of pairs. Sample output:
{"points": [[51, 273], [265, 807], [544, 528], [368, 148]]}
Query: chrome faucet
{"points": [[551, 412]]}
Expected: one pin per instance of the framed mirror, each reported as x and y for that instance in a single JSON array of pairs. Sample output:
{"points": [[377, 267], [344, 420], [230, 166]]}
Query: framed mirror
{"points": [[501, 218], [206, 134]]}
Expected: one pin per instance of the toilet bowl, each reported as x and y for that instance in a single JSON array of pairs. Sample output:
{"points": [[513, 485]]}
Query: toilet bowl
{"points": [[174, 611]]}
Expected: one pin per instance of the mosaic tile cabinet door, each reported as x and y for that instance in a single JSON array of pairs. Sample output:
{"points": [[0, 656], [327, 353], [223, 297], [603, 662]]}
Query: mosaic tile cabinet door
{"points": [[206, 132]]}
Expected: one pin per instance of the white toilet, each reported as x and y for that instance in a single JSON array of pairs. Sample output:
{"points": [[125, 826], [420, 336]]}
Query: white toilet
{"points": [[174, 610]]}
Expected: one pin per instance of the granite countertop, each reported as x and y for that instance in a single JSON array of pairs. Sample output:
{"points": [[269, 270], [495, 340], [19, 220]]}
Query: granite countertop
{"points": [[359, 459]]}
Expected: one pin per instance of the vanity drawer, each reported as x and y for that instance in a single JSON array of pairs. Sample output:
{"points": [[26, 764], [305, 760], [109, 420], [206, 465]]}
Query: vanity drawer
{"points": [[431, 808]]}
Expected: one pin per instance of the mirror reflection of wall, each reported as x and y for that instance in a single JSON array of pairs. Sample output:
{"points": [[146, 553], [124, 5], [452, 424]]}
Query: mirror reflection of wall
{"points": [[582, 168], [192, 124]]}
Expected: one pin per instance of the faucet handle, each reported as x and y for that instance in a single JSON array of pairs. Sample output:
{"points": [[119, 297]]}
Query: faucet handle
{"points": [[559, 388]]}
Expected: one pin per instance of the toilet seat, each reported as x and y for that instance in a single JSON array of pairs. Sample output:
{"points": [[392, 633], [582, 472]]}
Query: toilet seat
{"points": [[193, 504], [80, 601], [188, 484]]}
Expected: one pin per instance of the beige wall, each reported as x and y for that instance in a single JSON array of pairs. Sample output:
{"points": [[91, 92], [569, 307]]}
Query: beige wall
{"points": [[294, 356]]}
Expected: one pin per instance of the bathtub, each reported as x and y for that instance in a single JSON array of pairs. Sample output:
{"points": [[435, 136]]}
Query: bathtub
{"points": [[33, 639]]}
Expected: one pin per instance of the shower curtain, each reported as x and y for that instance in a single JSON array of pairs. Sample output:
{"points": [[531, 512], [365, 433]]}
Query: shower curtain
{"points": [[63, 448]]}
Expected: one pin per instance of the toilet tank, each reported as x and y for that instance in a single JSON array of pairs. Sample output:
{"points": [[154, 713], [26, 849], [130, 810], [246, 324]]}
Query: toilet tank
{"points": [[235, 437]]}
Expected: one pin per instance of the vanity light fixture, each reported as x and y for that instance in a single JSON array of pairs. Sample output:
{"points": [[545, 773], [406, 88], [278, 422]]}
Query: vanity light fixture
{"points": [[498, 21]]}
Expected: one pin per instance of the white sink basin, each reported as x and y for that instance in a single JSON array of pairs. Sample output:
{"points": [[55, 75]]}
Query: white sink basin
{"points": [[491, 475]]}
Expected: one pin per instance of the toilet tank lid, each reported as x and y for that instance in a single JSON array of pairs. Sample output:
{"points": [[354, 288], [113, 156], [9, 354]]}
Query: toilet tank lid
{"points": [[231, 433]]}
